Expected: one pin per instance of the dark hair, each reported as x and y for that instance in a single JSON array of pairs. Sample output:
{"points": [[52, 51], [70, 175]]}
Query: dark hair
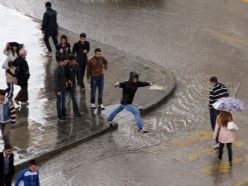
{"points": [[7, 147], [224, 118], [12, 45], [63, 37], [10, 63], [32, 162], [213, 79], [98, 50], [83, 35], [72, 57], [2, 92], [62, 58], [48, 4]]}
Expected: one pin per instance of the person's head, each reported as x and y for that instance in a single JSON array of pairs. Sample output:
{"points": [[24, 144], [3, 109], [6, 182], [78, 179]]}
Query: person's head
{"points": [[213, 80], [62, 61], [63, 39], [23, 52], [98, 52], [82, 37], [2, 95], [7, 150], [73, 59], [32, 165], [10, 64], [134, 77], [224, 118], [48, 5]]}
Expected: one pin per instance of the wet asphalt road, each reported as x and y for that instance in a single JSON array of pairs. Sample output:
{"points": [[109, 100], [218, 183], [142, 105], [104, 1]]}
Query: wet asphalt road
{"points": [[195, 39]]}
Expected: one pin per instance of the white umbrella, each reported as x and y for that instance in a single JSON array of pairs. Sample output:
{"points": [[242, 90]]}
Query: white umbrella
{"points": [[229, 104]]}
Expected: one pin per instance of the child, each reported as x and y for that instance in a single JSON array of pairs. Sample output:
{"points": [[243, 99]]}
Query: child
{"points": [[10, 79], [7, 116], [129, 89], [223, 134]]}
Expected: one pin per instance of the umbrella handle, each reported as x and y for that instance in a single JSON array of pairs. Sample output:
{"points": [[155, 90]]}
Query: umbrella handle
{"points": [[236, 90]]}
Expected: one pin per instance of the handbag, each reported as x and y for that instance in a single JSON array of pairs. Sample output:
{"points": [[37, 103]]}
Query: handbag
{"points": [[232, 126]]}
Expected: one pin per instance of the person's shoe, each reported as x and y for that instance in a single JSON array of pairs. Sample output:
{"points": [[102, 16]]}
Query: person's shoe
{"points": [[78, 115], [93, 106], [142, 131], [50, 54], [217, 145], [102, 107], [61, 119], [111, 123], [66, 115]]}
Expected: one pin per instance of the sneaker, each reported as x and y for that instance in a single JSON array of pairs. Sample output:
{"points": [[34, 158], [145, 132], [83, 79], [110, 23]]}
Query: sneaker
{"points": [[142, 131], [111, 123], [93, 105], [217, 145], [102, 107], [78, 115]]}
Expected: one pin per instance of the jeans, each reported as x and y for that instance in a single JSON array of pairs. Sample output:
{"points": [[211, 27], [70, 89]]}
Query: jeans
{"points": [[10, 90], [73, 93], [97, 82], [61, 100], [6, 180], [213, 116], [46, 39], [5, 128], [229, 148], [131, 108]]}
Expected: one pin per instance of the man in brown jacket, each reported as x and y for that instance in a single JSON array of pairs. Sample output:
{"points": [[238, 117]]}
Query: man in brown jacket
{"points": [[96, 68]]}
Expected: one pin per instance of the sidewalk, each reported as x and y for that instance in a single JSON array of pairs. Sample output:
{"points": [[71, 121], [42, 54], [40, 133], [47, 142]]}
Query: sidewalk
{"points": [[37, 133]]}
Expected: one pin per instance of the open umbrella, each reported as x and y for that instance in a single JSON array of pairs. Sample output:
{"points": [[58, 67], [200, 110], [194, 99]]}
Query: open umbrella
{"points": [[229, 104]]}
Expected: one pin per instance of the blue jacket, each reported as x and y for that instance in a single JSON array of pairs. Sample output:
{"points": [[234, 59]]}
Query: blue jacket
{"points": [[28, 178]]}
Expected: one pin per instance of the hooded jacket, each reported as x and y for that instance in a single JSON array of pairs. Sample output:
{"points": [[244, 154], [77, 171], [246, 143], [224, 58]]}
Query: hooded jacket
{"points": [[130, 88]]}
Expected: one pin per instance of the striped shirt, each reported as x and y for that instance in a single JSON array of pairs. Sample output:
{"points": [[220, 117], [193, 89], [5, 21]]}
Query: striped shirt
{"points": [[218, 91]]}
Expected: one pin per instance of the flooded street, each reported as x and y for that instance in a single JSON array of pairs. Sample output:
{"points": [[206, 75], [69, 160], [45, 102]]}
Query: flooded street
{"points": [[195, 39]]}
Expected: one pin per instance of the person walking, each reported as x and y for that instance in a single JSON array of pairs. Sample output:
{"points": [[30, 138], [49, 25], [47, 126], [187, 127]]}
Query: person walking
{"points": [[218, 91], [96, 68], [29, 176], [7, 116], [7, 168], [22, 76], [80, 50], [10, 79], [60, 82], [11, 51], [50, 27], [63, 49], [72, 84], [223, 134], [129, 89]]}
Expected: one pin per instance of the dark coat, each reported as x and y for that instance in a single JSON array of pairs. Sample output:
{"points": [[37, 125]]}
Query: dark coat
{"points": [[130, 88], [11, 165], [49, 22], [22, 71], [59, 79], [77, 50], [73, 75]]}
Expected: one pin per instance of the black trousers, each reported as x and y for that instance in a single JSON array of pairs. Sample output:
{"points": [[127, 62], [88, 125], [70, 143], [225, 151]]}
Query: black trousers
{"points": [[22, 94], [82, 67], [229, 149], [6, 180], [54, 37]]}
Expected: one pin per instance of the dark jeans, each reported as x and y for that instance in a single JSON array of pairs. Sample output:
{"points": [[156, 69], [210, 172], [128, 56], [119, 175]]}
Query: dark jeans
{"points": [[213, 116], [6, 180], [97, 82], [82, 67], [73, 93], [61, 99], [22, 94], [10, 90], [47, 35], [229, 148]]}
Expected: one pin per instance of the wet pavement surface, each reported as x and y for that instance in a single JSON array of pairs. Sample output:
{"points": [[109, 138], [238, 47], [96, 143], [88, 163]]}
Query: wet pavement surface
{"points": [[37, 131], [195, 39]]}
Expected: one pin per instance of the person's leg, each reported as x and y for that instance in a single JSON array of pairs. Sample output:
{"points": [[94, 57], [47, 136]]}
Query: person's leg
{"points": [[46, 40], [230, 153], [11, 90], [213, 116], [5, 133], [2, 179], [73, 93], [59, 106], [115, 112], [25, 93], [8, 180], [93, 90], [100, 90], [84, 65], [7, 90], [63, 102], [221, 151], [131, 108], [55, 39], [80, 74]]}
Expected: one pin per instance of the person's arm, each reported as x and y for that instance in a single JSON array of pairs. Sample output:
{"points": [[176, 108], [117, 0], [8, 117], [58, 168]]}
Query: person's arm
{"points": [[105, 62], [56, 81], [212, 98], [120, 84], [88, 46], [38, 179], [19, 178], [44, 22], [12, 111], [144, 83], [88, 69], [74, 49], [69, 48]]}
